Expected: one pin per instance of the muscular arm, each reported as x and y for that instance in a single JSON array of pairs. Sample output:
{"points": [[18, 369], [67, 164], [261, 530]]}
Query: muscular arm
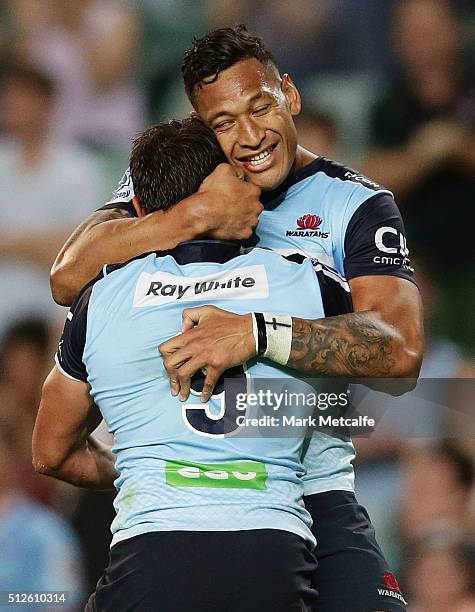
{"points": [[113, 236], [62, 445], [223, 208], [382, 338]]}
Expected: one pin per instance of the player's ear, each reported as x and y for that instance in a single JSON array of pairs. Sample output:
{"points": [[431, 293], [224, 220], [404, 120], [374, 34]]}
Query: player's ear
{"points": [[193, 113], [292, 95], [138, 206]]}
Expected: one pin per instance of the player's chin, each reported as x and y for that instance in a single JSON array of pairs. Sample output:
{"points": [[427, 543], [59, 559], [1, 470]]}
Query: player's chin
{"points": [[267, 180]]}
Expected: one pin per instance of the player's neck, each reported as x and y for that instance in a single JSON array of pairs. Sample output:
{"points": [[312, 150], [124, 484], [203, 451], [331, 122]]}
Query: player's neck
{"points": [[303, 157]]}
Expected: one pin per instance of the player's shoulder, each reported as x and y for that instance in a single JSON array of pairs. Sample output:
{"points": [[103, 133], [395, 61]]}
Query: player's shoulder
{"points": [[324, 179], [106, 278], [335, 186], [340, 191], [353, 178], [133, 264]]}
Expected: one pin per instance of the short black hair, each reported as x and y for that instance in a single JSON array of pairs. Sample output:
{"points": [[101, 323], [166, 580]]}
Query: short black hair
{"points": [[218, 50], [169, 161]]}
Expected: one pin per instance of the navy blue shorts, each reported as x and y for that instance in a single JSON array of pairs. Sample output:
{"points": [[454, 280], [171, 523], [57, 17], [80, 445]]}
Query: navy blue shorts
{"points": [[263, 570], [352, 573]]}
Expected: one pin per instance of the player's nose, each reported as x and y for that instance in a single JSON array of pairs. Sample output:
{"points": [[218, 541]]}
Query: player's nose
{"points": [[251, 134]]}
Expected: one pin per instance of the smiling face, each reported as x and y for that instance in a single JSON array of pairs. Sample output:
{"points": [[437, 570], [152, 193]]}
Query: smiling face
{"points": [[250, 109]]}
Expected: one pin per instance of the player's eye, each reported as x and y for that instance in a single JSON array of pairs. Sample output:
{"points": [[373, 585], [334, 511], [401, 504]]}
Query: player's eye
{"points": [[222, 126], [262, 110]]}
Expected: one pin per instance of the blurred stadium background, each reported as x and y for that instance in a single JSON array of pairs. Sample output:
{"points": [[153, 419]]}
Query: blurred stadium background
{"points": [[388, 87]]}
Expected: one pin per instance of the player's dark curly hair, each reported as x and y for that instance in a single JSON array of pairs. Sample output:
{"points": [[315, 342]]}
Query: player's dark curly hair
{"points": [[217, 51], [169, 161]]}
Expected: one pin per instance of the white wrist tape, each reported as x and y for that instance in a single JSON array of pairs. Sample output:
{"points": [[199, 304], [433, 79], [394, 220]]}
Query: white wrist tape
{"points": [[279, 337]]}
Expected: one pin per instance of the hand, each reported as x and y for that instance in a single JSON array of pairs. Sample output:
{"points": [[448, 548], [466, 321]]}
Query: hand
{"points": [[212, 340], [232, 208]]}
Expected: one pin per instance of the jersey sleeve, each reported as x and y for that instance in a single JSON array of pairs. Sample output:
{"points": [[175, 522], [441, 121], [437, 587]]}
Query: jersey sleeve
{"points": [[335, 291], [375, 241], [69, 357]]}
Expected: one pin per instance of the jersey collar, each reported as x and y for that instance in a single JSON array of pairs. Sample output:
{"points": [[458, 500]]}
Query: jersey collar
{"points": [[195, 251], [294, 177]]}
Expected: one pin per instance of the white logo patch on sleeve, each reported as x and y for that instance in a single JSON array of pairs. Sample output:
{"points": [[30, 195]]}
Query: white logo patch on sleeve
{"points": [[125, 189], [163, 288]]}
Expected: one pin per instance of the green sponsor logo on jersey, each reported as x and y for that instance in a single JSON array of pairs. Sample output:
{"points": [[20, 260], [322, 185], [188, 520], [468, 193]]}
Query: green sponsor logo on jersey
{"points": [[233, 475]]}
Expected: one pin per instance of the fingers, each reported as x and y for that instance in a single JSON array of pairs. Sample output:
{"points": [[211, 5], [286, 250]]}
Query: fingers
{"points": [[184, 375], [174, 355], [212, 377], [185, 384], [191, 317], [174, 385], [171, 363], [180, 368], [194, 316], [188, 370], [186, 353], [171, 346], [188, 322]]}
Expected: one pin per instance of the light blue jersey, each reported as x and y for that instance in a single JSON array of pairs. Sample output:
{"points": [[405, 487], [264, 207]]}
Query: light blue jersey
{"points": [[177, 469], [334, 214]]}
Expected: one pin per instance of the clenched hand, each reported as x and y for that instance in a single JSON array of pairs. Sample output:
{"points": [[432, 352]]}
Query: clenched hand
{"points": [[231, 207]]}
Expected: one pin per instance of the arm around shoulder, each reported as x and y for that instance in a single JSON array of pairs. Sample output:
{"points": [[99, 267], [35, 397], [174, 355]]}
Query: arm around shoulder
{"points": [[114, 236], [224, 208]]}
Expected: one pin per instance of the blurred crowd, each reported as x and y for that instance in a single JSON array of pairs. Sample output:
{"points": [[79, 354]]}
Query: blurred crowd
{"points": [[389, 87]]}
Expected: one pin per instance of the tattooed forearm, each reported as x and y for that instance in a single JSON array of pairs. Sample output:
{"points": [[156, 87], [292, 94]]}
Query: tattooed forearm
{"points": [[354, 344]]}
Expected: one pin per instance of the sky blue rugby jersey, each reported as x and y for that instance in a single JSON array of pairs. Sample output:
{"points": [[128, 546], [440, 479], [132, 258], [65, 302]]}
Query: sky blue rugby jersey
{"points": [[177, 470], [332, 213]]}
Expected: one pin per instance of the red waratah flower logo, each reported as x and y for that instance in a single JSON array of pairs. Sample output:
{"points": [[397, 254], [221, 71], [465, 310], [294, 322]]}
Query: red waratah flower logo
{"points": [[391, 582], [310, 222]]}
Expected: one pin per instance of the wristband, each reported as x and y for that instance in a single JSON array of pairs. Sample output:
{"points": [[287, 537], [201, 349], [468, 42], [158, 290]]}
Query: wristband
{"points": [[273, 334], [259, 331]]}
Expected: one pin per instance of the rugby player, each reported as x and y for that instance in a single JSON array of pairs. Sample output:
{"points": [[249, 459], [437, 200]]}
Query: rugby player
{"points": [[176, 470], [321, 209]]}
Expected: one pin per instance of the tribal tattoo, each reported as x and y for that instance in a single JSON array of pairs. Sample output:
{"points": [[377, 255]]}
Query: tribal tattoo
{"points": [[348, 345]]}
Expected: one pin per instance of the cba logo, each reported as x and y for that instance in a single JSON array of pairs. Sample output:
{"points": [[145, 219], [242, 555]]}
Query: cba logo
{"points": [[308, 226], [396, 255]]}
